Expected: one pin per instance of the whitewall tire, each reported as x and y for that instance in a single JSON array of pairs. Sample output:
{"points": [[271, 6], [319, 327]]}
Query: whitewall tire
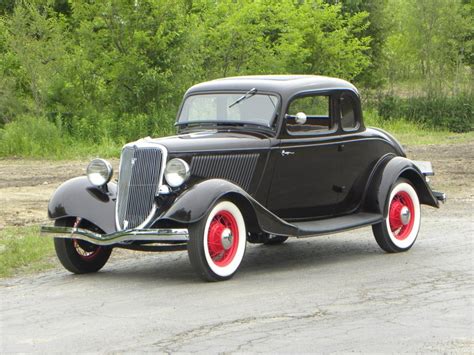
{"points": [[400, 228], [217, 242]]}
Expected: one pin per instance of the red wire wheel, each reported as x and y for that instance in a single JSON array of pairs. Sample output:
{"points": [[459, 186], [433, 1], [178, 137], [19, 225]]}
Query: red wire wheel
{"points": [[86, 251], [79, 256], [223, 238], [401, 215]]}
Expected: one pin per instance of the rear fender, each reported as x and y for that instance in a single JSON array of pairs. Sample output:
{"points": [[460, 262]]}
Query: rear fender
{"points": [[386, 176], [193, 204], [79, 198]]}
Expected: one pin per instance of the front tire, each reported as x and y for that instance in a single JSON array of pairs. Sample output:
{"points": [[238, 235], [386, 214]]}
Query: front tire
{"points": [[400, 228], [217, 242], [79, 256]]}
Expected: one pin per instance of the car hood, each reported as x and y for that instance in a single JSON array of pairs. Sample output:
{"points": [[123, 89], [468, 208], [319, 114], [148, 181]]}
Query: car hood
{"points": [[211, 140]]}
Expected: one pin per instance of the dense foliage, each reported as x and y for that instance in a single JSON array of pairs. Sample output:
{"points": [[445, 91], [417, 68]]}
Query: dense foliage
{"points": [[453, 113], [115, 70]]}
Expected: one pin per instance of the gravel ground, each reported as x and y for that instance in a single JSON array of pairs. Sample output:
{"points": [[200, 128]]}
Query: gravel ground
{"points": [[336, 293]]}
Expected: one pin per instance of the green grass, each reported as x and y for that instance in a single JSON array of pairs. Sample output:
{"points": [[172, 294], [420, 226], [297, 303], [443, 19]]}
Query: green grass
{"points": [[23, 250], [410, 133]]}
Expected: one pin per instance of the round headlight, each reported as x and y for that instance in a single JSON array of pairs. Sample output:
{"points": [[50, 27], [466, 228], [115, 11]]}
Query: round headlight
{"points": [[99, 172], [176, 172]]}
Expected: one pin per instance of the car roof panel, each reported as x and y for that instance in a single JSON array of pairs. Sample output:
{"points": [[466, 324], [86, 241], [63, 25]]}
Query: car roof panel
{"points": [[285, 85]]}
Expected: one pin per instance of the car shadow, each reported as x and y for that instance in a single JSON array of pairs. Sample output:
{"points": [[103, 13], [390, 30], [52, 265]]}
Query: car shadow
{"points": [[295, 255]]}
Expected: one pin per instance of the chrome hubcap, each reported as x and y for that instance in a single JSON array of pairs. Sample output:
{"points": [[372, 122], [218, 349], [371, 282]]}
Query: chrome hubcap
{"points": [[405, 215], [227, 238]]}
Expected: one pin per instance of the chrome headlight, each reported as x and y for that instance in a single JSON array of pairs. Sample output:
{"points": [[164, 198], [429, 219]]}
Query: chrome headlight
{"points": [[99, 172], [176, 172]]}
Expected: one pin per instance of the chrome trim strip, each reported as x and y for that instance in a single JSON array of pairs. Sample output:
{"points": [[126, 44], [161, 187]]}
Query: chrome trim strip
{"points": [[144, 143], [165, 236]]}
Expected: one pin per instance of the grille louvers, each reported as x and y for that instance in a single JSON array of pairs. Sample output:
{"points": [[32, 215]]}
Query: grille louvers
{"points": [[139, 177], [237, 168]]}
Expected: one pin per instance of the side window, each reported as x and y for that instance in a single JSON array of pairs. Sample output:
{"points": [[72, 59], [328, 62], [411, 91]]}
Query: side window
{"points": [[316, 108], [348, 116]]}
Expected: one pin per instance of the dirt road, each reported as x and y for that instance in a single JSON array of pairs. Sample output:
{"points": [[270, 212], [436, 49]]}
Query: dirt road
{"points": [[336, 293]]}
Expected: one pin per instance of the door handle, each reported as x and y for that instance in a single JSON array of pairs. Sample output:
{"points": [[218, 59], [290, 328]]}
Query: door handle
{"points": [[284, 153]]}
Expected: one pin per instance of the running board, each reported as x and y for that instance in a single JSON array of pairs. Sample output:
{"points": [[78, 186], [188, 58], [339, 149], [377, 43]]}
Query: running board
{"points": [[337, 224]]}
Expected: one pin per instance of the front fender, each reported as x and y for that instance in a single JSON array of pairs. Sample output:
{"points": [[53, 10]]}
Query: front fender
{"points": [[79, 198], [386, 176], [193, 204]]}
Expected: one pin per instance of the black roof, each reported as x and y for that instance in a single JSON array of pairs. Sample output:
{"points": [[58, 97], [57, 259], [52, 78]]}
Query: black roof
{"points": [[286, 85]]}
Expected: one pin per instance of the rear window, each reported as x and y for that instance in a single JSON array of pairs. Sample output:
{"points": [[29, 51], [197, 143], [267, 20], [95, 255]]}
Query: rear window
{"points": [[348, 116]]}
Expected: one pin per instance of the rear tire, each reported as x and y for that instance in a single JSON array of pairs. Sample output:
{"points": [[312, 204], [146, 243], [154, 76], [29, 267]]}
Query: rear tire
{"points": [[78, 256], [217, 242], [399, 230], [271, 239]]}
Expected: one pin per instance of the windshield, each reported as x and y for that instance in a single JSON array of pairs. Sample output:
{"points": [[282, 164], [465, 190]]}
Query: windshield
{"points": [[229, 108]]}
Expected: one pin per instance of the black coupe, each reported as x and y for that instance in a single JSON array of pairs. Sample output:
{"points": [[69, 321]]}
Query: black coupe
{"points": [[256, 159]]}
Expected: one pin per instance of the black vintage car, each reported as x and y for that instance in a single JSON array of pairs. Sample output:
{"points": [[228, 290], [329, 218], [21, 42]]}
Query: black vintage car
{"points": [[256, 159]]}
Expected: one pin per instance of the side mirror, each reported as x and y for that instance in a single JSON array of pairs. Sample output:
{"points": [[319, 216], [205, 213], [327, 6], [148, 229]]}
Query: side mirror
{"points": [[300, 118]]}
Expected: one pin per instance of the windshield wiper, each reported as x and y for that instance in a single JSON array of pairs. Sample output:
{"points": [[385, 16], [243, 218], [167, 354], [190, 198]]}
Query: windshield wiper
{"points": [[247, 95]]}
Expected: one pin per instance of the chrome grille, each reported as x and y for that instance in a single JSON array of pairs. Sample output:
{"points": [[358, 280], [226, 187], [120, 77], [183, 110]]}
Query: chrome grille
{"points": [[139, 179], [237, 168]]}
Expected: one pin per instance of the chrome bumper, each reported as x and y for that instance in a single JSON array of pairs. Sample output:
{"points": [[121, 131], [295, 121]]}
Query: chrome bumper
{"points": [[440, 196], [164, 236]]}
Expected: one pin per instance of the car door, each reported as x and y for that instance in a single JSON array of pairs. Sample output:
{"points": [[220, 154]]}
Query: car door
{"points": [[305, 160], [357, 156]]}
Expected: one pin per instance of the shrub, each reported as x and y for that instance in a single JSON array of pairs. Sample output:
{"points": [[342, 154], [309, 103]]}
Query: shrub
{"points": [[438, 112], [29, 136]]}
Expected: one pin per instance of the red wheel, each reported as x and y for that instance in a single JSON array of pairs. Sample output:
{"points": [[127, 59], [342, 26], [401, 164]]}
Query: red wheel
{"points": [[400, 215], [217, 243], [86, 251], [223, 238], [79, 256], [401, 226]]}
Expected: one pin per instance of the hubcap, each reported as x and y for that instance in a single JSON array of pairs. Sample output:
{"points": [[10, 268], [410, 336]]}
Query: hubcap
{"points": [[405, 215], [226, 238]]}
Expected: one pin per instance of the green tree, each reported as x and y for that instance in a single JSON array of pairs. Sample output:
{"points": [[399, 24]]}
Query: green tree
{"points": [[251, 37], [429, 43]]}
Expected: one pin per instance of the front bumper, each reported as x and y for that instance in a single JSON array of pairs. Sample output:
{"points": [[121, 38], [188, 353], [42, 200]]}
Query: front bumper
{"points": [[163, 236]]}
